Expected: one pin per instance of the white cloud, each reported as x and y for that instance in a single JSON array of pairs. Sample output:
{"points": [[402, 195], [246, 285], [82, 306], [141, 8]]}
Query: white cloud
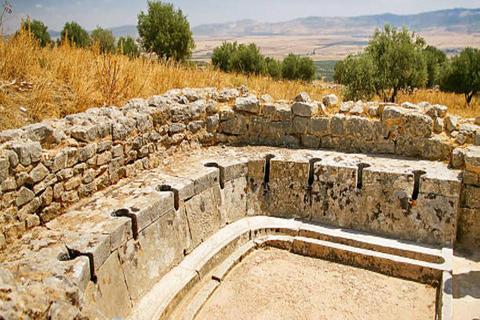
{"points": [[38, 5]]}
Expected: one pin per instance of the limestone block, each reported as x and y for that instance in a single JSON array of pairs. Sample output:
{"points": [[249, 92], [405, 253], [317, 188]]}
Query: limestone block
{"points": [[236, 125], [330, 100], [59, 162], [440, 110], [438, 125], [310, 141], [359, 127], [122, 128], [436, 149], [472, 159], [386, 203], [248, 104], [40, 132], [234, 206], [471, 197], [392, 115], [196, 126], [12, 158], [338, 125], [203, 215], [109, 295], [305, 109], [212, 107], [303, 97], [96, 245], [212, 123], [283, 112], [333, 197], [176, 128], [24, 196], [158, 248], [468, 233], [434, 218], [279, 129], [319, 126], [84, 133], [447, 183], [300, 125], [28, 152], [451, 123], [86, 152], [417, 125]]}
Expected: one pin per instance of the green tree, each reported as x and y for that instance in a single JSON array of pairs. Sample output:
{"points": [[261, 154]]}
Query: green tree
{"points": [[221, 55], [290, 67], [358, 74], [105, 39], [399, 61], [274, 68], [434, 59], [128, 46], [396, 61], [338, 71], [306, 69], [294, 67], [462, 74], [75, 34], [247, 59], [165, 31], [38, 30]]}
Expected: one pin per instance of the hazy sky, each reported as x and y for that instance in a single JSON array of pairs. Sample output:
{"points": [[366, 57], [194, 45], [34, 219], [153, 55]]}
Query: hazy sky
{"points": [[112, 13]]}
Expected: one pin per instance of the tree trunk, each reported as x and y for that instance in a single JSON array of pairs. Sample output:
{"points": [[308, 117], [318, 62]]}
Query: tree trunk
{"points": [[468, 97], [394, 95]]}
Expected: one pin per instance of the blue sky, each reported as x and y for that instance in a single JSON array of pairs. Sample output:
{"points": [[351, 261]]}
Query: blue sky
{"points": [[112, 13]]}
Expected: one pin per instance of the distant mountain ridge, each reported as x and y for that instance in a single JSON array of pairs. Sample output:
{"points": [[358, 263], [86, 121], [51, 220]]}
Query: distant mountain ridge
{"points": [[458, 20]]}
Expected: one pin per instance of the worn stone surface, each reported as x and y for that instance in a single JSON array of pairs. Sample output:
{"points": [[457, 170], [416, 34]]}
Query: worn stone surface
{"points": [[305, 109], [248, 104], [155, 252], [203, 215]]}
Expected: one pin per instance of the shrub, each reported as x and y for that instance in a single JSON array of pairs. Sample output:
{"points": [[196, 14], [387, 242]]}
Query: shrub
{"points": [[75, 34], [38, 30], [105, 39], [127, 46]]}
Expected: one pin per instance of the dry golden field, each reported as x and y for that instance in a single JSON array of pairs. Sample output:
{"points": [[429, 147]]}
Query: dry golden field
{"points": [[40, 83]]}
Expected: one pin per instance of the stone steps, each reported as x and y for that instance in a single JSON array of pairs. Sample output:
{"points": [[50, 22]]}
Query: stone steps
{"points": [[183, 291]]}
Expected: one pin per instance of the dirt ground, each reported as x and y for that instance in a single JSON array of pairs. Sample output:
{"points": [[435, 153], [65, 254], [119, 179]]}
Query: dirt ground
{"points": [[276, 284]]}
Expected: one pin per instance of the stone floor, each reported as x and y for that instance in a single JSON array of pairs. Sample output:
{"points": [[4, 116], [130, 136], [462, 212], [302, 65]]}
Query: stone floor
{"points": [[276, 284], [466, 285]]}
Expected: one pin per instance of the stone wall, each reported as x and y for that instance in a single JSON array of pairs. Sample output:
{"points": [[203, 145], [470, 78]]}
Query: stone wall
{"points": [[46, 167]]}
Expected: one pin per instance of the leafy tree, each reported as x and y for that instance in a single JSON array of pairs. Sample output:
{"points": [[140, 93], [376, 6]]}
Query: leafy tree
{"points": [[295, 67], [274, 68], [248, 60], [434, 58], [399, 62], [338, 71], [306, 69], [358, 74], [395, 62], [38, 30], [128, 46], [105, 39], [290, 67], [462, 74], [165, 31], [221, 55], [75, 34]]}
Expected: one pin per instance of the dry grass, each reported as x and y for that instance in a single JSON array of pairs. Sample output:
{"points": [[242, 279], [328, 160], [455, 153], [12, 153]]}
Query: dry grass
{"points": [[55, 82]]}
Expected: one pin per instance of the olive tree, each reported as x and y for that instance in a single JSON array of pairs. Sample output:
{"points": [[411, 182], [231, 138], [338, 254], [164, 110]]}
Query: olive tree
{"points": [[127, 46], [462, 74], [105, 39], [75, 34], [165, 31], [395, 62], [38, 30]]}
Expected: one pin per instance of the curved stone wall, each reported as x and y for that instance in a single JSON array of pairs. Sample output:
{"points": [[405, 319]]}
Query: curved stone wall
{"points": [[46, 167], [97, 207], [107, 252]]}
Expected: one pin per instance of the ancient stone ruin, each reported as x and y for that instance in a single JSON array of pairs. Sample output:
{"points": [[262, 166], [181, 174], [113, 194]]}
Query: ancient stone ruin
{"points": [[140, 212]]}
